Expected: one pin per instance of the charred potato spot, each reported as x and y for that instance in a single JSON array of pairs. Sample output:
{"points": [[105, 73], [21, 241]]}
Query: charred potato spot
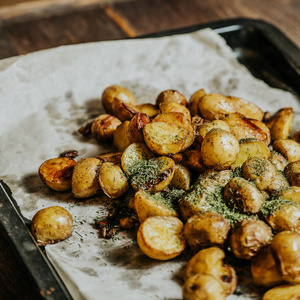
{"points": [[114, 157], [135, 128], [56, 173], [192, 159], [248, 237], [51, 225], [123, 111], [292, 172], [119, 92], [104, 127]]}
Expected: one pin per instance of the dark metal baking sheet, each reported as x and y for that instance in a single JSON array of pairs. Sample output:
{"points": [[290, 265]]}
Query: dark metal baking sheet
{"points": [[261, 47]]}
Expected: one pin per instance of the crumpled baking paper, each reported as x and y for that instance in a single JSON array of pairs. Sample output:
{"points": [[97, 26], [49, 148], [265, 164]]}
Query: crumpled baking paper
{"points": [[46, 96]]}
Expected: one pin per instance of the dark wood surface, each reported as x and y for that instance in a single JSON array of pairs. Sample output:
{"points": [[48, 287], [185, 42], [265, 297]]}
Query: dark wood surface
{"points": [[35, 28]]}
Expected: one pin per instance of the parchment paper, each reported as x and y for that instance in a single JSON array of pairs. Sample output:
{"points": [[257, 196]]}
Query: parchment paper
{"points": [[46, 96]]}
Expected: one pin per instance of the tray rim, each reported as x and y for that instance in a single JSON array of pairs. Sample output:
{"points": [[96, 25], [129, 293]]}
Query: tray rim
{"points": [[290, 51]]}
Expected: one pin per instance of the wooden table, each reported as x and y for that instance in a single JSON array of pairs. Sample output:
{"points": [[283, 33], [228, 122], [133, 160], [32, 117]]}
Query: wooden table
{"points": [[35, 26]]}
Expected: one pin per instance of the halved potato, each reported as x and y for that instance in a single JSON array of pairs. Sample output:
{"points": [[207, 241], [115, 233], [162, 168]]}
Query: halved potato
{"points": [[182, 178], [123, 110], [132, 154], [120, 138], [161, 237], [250, 148], [51, 225], [171, 95], [149, 205], [290, 149], [152, 175], [112, 180], [280, 123], [164, 138], [149, 109], [56, 173], [84, 180]]}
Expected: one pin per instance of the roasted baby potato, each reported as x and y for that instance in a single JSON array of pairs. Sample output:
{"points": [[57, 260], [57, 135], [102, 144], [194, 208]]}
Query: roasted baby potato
{"points": [[282, 215], [219, 149], [104, 127], [181, 179], [215, 106], [205, 230], [112, 180], [152, 175], [279, 182], [165, 138], [123, 111], [171, 106], [120, 138], [193, 102], [209, 261], [264, 269], [292, 172], [286, 292], [247, 108], [244, 128], [133, 154], [170, 95], [51, 225], [135, 128], [285, 247], [149, 109], [161, 237], [248, 237], [192, 159], [56, 173], [280, 124], [278, 161], [119, 92], [260, 171], [84, 180], [114, 157], [222, 177], [149, 205], [239, 193], [203, 287], [290, 149], [250, 148]]}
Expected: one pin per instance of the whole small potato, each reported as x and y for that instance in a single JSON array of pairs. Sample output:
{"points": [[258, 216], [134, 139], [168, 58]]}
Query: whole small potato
{"points": [[51, 225], [193, 102], [290, 149], [171, 95], [205, 230], [219, 149], [248, 237], [84, 180], [119, 92], [104, 127]]}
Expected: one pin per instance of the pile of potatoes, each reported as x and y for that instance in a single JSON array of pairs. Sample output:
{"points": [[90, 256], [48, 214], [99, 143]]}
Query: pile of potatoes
{"points": [[210, 174]]}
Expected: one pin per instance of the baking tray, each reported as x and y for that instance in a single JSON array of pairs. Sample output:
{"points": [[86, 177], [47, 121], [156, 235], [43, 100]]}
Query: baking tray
{"points": [[262, 48]]}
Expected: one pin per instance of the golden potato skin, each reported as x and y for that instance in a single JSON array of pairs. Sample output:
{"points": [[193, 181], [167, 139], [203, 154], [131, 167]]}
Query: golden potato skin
{"points": [[56, 173], [260, 171], [285, 247], [51, 225], [161, 237], [114, 157], [170, 106], [104, 127], [116, 91], [219, 149], [278, 160], [292, 172], [264, 269], [286, 292], [209, 261], [248, 237], [149, 109], [123, 111], [205, 230], [290, 149], [171, 95], [120, 138], [84, 180], [243, 195], [292, 194], [203, 287], [193, 102], [182, 178], [112, 180]]}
